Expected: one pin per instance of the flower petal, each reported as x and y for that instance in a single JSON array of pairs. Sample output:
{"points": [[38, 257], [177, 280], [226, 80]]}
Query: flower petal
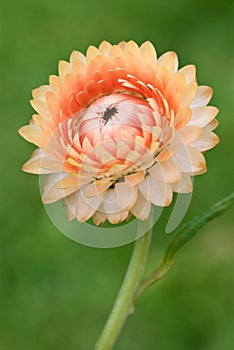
{"points": [[203, 96], [52, 192], [206, 141], [158, 193], [99, 218], [33, 134], [166, 171], [141, 208], [189, 94], [203, 115], [189, 134], [169, 60], [41, 163], [189, 73], [189, 160], [184, 185]]}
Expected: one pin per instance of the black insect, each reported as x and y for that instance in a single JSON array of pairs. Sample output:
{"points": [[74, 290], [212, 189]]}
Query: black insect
{"points": [[108, 114]]}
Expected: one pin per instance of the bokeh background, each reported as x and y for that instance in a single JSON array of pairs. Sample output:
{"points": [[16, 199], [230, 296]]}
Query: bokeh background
{"points": [[55, 293]]}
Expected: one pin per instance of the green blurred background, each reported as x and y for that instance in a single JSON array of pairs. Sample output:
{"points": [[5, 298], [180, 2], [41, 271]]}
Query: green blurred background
{"points": [[55, 293]]}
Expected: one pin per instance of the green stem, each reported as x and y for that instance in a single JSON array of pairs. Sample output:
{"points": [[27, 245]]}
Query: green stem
{"points": [[124, 303]]}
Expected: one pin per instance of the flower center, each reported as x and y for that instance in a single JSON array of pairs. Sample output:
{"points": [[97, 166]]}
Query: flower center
{"points": [[119, 134], [109, 116]]}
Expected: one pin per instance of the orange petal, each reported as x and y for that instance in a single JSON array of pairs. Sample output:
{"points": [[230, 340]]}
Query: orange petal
{"points": [[189, 134], [166, 171], [135, 178], [182, 118], [97, 187], [189, 94]]}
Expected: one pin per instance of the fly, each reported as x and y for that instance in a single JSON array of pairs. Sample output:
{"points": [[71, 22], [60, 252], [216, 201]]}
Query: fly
{"points": [[108, 114]]}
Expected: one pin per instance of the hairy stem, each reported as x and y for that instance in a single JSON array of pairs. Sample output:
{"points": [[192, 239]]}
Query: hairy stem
{"points": [[124, 303]]}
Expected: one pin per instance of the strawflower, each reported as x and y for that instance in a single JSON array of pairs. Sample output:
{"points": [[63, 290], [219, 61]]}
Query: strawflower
{"points": [[119, 130]]}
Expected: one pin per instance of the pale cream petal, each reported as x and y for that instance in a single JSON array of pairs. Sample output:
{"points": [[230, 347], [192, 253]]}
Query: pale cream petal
{"points": [[102, 154], [77, 56], [211, 126], [203, 115], [41, 163], [117, 52], [71, 205], [203, 96], [83, 210], [189, 160], [52, 192], [99, 218], [33, 134], [166, 171], [133, 157], [141, 208], [125, 195], [206, 141], [169, 60], [122, 149], [39, 93], [81, 207], [184, 185], [149, 54], [189, 73], [55, 83], [41, 107], [104, 48], [64, 68], [117, 217], [92, 53], [93, 202], [189, 134], [158, 193], [109, 203], [132, 47], [79, 67]]}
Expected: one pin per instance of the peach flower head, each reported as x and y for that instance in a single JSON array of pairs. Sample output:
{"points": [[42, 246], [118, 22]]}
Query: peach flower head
{"points": [[119, 130]]}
